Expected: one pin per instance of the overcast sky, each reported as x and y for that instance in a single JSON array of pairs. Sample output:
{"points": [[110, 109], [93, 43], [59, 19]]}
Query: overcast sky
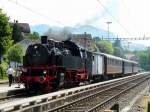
{"points": [[130, 18]]}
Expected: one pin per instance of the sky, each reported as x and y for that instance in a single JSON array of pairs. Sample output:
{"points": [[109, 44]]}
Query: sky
{"points": [[130, 18]]}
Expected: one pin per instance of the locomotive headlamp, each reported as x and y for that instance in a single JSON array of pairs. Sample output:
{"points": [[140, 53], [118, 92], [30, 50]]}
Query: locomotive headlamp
{"points": [[44, 71], [35, 47]]}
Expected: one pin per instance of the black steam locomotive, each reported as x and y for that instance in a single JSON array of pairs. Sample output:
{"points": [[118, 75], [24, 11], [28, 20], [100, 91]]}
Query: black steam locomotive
{"points": [[50, 64]]}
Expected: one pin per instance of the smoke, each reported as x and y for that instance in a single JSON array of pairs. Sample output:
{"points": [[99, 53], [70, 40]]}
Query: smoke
{"points": [[94, 19], [59, 35]]}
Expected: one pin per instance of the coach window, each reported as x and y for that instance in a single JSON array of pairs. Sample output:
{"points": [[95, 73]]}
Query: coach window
{"points": [[93, 58], [114, 62], [110, 61]]}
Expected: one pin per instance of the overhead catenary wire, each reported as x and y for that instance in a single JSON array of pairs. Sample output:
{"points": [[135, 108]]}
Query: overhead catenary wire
{"points": [[129, 11], [106, 10], [35, 12], [126, 39]]}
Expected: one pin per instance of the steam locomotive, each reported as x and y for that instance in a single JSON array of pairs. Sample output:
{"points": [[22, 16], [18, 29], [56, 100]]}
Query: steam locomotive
{"points": [[51, 65]]}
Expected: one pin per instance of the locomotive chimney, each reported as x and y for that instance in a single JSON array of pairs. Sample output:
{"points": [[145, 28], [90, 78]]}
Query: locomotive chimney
{"points": [[44, 39]]}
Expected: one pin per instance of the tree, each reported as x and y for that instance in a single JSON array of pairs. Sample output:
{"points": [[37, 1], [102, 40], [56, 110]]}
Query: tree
{"points": [[15, 53], [118, 50], [5, 33], [117, 43], [105, 46], [144, 58], [34, 36], [94, 47], [5, 36]]}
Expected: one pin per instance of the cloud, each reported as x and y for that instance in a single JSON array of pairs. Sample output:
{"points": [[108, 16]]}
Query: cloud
{"points": [[132, 14], [68, 12]]}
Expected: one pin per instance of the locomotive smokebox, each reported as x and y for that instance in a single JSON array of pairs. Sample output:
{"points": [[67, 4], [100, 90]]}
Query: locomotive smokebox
{"points": [[44, 39]]}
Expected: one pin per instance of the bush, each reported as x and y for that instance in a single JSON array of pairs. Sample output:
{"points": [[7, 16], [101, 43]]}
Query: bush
{"points": [[15, 53], [3, 69]]}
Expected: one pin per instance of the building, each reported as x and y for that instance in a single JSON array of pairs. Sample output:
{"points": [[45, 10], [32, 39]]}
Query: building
{"points": [[24, 27], [83, 40], [132, 57]]}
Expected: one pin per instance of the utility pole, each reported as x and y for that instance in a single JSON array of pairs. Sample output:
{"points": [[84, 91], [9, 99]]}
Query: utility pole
{"points": [[85, 39], [85, 55], [108, 23]]}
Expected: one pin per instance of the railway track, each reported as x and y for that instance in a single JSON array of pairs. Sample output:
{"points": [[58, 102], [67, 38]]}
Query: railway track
{"points": [[22, 93], [12, 97], [87, 99], [98, 99]]}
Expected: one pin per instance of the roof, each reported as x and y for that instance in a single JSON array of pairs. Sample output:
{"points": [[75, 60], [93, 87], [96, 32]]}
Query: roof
{"points": [[118, 58], [81, 36], [24, 27], [130, 61], [111, 56]]}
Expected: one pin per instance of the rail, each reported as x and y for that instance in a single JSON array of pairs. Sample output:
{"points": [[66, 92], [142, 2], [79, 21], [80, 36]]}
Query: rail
{"points": [[30, 102], [86, 102], [106, 102]]}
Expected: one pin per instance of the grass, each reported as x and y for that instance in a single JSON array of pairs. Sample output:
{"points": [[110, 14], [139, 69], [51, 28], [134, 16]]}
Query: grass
{"points": [[144, 102]]}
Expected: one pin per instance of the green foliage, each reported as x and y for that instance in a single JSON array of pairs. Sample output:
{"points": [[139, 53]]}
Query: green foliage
{"points": [[105, 46], [5, 44], [5, 33], [94, 48], [3, 68], [118, 50], [117, 43], [5, 29], [34, 36], [16, 34], [144, 58], [15, 53]]}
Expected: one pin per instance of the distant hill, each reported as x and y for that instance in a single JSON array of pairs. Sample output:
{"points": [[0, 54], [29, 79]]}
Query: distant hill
{"points": [[42, 28], [80, 29], [92, 30]]}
